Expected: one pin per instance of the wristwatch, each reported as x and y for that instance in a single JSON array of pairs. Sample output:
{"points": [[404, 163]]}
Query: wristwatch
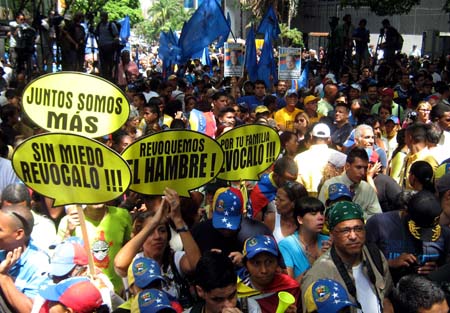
{"points": [[182, 229]]}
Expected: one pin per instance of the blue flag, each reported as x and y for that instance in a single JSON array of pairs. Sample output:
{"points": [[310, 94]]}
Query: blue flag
{"points": [[205, 25], [270, 24], [168, 51], [250, 55], [206, 60], [124, 29], [224, 37], [266, 64], [303, 81]]}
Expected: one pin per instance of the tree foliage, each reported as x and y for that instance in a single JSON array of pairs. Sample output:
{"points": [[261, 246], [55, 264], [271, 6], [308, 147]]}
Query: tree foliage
{"points": [[383, 7], [164, 15], [116, 9], [290, 36]]}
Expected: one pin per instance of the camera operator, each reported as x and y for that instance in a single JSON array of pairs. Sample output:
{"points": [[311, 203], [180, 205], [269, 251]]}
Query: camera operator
{"points": [[108, 41], [22, 37], [393, 41]]}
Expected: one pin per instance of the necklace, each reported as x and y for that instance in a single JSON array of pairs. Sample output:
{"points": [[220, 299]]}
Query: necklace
{"points": [[309, 250]]}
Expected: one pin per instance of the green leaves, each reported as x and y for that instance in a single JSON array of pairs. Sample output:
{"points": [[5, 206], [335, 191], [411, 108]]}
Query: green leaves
{"points": [[383, 7]]}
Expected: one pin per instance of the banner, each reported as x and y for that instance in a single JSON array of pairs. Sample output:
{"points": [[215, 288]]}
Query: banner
{"points": [[180, 159], [248, 151], [289, 64], [76, 103], [234, 59], [71, 169]]}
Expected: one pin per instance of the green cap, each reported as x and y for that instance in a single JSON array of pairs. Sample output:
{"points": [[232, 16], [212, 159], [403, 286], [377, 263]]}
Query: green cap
{"points": [[344, 211]]}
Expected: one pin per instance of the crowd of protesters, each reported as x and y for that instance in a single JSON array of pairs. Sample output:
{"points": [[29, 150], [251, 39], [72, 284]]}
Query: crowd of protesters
{"points": [[353, 215]]}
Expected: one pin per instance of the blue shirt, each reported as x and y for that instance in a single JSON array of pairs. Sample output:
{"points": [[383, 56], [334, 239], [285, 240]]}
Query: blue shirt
{"points": [[293, 254], [31, 271], [251, 102]]}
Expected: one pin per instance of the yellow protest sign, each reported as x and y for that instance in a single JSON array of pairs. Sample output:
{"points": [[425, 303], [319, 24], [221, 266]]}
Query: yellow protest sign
{"points": [[248, 151], [71, 169], [180, 159], [76, 103]]}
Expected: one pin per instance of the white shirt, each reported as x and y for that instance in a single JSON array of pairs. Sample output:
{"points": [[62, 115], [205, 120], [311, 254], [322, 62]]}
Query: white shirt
{"points": [[364, 292]]}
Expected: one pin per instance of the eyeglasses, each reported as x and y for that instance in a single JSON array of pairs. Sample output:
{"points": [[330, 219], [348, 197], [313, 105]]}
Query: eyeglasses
{"points": [[348, 230], [424, 110]]}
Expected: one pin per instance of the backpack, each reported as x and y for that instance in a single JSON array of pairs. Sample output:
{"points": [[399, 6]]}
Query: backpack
{"points": [[398, 43], [27, 36]]}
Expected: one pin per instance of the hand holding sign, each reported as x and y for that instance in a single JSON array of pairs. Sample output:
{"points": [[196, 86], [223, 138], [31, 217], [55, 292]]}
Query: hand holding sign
{"points": [[71, 169], [179, 159]]}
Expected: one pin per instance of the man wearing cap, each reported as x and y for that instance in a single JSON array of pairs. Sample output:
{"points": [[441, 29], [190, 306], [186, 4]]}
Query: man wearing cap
{"points": [[363, 271], [387, 96], [391, 126], [222, 232], [285, 117], [326, 104], [412, 241], [355, 172], [75, 294], [310, 105], [260, 279], [21, 265], [312, 162]]}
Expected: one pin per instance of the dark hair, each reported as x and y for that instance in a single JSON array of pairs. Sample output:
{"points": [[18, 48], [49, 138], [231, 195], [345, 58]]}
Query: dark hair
{"points": [[400, 141], [286, 164], [8, 111], [418, 132], [305, 205], [285, 137], [219, 94], [140, 95], [294, 190], [214, 270], [260, 82], [438, 111], [357, 152], [434, 133], [225, 110], [414, 292], [16, 193], [423, 171]]}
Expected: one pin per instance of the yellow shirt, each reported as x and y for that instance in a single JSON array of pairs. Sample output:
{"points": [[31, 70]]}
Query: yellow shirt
{"points": [[285, 119], [422, 155]]}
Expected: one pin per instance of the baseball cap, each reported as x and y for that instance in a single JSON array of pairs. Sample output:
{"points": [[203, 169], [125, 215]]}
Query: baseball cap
{"points": [[393, 119], [77, 293], [387, 92], [374, 157], [66, 256], [331, 77], [338, 190], [423, 216], [144, 271], [258, 244], [310, 98], [261, 109], [151, 301], [291, 93], [443, 183], [325, 296], [441, 170], [321, 130], [337, 159], [228, 203], [356, 86]]}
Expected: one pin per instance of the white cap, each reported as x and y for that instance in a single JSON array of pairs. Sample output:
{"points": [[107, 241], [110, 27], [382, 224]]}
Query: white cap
{"points": [[321, 130]]}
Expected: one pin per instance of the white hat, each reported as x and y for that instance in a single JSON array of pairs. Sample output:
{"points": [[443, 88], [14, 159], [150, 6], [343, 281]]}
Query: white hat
{"points": [[321, 130]]}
